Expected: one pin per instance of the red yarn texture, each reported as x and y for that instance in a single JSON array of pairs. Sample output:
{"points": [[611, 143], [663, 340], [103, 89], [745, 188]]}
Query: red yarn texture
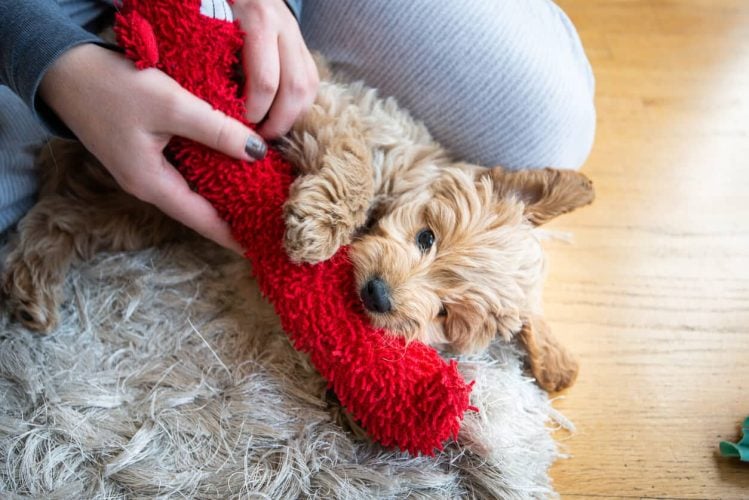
{"points": [[403, 395]]}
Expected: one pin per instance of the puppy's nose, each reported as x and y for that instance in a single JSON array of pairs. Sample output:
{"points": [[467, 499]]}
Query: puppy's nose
{"points": [[375, 296]]}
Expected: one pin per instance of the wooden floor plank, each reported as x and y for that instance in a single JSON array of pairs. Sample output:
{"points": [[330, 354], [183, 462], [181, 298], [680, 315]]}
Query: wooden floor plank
{"points": [[653, 295]]}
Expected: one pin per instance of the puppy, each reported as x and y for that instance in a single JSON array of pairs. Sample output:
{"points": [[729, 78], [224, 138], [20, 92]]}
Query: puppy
{"points": [[443, 252], [448, 255]]}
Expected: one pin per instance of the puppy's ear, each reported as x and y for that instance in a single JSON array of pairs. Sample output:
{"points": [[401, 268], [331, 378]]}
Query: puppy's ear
{"points": [[550, 363], [378, 209], [546, 193]]}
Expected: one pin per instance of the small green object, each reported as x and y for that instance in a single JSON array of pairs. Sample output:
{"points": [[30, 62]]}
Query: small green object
{"points": [[739, 450]]}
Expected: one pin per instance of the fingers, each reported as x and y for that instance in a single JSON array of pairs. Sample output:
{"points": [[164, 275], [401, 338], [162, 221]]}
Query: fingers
{"points": [[297, 88], [281, 76], [195, 119], [263, 68], [170, 193]]}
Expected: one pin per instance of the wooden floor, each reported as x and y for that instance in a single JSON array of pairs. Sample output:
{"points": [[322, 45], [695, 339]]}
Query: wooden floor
{"points": [[654, 293]]}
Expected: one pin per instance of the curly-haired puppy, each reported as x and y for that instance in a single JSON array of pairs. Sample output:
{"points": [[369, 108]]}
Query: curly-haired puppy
{"points": [[449, 255], [444, 252]]}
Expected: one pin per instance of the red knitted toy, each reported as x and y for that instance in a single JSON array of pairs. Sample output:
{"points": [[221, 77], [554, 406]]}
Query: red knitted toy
{"points": [[403, 395]]}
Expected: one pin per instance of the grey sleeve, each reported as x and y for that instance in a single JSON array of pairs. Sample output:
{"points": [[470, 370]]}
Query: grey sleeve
{"points": [[33, 34]]}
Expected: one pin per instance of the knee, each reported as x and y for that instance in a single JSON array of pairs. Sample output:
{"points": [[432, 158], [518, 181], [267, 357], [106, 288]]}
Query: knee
{"points": [[535, 107], [500, 83], [553, 125], [570, 136]]}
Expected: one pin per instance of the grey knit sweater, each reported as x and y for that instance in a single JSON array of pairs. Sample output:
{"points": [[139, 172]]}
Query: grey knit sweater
{"points": [[33, 34]]}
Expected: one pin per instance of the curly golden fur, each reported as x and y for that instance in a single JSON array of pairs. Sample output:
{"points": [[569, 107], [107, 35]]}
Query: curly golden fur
{"points": [[81, 210], [444, 252], [364, 158]]}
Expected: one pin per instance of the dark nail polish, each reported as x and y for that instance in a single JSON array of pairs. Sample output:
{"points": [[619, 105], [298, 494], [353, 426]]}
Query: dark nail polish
{"points": [[255, 147]]}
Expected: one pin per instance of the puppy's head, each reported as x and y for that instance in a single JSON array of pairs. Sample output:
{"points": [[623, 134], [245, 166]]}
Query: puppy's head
{"points": [[458, 263]]}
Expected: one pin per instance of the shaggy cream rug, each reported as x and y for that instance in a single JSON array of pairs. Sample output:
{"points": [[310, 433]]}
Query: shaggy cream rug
{"points": [[169, 376]]}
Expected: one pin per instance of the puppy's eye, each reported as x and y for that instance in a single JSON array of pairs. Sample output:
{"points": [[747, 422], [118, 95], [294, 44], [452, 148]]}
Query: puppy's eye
{"points": [[425, 239]]}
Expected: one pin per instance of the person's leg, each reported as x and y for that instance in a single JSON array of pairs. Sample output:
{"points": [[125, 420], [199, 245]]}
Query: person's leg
{"points": [[497, 82], [20, 138]]}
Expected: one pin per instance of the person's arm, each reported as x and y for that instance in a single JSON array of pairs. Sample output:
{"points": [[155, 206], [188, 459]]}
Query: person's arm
{"points": [[125, 117], [33, 35]]}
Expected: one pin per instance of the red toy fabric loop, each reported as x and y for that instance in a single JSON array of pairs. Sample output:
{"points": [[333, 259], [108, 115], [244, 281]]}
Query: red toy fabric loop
{"points": [[136, 37]]}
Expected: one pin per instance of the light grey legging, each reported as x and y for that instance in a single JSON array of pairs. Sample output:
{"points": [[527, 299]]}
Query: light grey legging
{"points": [[498, 82]]}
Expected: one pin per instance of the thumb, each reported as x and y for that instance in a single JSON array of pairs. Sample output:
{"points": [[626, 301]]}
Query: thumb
{"points": [[199, 121]]}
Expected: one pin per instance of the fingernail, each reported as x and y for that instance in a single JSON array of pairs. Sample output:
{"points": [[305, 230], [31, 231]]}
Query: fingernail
{"points": [[255, 147]]}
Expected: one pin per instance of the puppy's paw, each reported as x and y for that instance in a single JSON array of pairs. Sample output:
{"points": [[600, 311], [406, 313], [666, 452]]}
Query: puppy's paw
{"points": [[558, 379], [33, 293], [318, 221]]}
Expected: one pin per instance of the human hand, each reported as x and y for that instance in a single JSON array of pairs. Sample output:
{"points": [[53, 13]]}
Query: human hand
{"points": [[126, 117], [282, 77]]}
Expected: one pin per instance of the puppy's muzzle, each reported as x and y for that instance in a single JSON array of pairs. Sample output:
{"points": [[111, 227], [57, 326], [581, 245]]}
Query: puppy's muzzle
{"points": [[376, 296]]}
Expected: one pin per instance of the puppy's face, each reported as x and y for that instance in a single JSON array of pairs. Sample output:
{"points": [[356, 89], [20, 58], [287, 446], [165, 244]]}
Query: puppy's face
{"points": [[459, 263]]}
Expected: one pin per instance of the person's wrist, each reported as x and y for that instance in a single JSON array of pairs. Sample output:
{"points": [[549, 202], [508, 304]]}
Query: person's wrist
{"points": [[57, 81], [71, 78]]}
